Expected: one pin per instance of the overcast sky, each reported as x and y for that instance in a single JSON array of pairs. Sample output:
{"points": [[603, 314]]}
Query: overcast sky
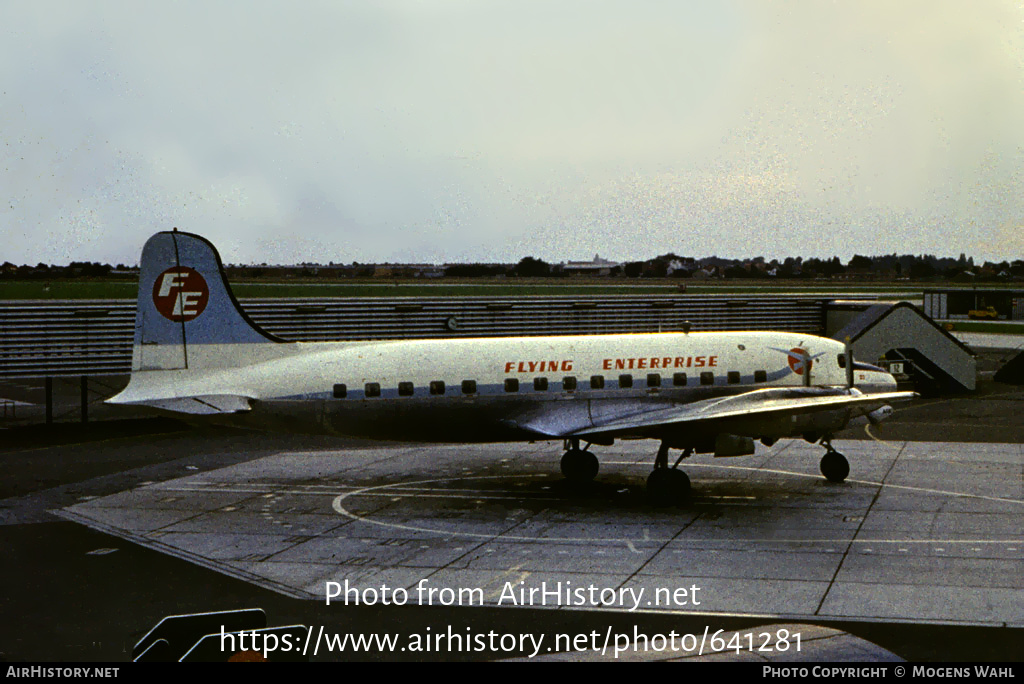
{"points": [[469, 130]]}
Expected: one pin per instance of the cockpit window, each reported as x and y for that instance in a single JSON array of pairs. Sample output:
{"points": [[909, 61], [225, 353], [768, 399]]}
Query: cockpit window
{"points": [[860, 365]]}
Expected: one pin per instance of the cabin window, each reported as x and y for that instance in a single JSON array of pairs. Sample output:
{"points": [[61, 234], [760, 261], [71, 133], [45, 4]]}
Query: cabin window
{"points": [[372, 389], [625, 380], [707, 378], [511, 385], [653, 380], [596, 382], [679, 379], [540, 384], [340, 391], [569, 383], [469, 386], [405, 389], [734, 377], [437, 386], [842, 360], [760, 376]]}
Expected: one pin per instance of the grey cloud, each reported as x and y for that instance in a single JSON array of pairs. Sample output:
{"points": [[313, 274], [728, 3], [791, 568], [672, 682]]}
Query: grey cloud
{"points": [[460, 130]]}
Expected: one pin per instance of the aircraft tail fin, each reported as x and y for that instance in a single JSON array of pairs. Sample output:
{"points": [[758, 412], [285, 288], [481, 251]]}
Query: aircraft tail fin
{"points": [[185, 305]]}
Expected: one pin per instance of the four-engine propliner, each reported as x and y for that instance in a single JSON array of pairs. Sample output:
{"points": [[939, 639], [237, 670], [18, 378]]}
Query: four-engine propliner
{"points": [[196, 353]]}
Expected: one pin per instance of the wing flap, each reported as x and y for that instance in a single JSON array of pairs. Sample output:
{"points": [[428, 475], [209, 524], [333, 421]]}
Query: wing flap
{"points": [[557, 419], [200, 405], [769, 402]]}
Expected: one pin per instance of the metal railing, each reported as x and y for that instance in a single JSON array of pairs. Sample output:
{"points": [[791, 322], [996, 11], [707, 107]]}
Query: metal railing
{"points": [[42, 338]]}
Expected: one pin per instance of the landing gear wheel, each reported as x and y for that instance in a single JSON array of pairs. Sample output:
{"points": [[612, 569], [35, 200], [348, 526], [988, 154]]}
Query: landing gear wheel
{"points": [[579, 466], [667, 486], [834, 466]]}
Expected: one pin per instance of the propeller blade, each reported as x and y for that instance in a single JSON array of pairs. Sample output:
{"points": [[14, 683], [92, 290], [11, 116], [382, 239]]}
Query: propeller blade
{"points": [[848, 352]]}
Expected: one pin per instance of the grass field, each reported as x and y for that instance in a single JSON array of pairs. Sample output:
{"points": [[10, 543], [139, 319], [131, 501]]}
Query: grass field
{"points": [[126, 289]]}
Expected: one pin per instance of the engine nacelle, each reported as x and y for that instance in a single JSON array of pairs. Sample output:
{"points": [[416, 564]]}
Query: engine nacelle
{"points": [[820, 423], [874, 418], [733, 445]]}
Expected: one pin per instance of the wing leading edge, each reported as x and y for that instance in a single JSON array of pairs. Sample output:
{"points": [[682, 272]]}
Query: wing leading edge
{"points": [[637, 417]]}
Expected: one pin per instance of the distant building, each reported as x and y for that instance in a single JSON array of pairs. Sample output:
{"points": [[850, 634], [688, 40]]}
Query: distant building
{"points": [[687, 264], [953, 303], [597, 267], [707, 273], [408, 271]]}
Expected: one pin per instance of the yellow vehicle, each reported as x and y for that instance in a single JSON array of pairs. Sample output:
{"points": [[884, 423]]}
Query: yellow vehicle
{"points": [[989, 312]]}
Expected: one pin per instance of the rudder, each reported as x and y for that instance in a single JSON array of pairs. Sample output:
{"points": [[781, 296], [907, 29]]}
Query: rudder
{"points": [[184, 301]]}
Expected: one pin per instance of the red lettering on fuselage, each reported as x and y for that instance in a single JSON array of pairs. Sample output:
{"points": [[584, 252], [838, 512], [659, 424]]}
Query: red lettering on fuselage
{"points": [[660, 363], [538, 366], [626, 363]]}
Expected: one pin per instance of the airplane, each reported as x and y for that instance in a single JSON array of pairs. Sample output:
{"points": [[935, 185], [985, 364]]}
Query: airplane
{"points": [[196, 354]]}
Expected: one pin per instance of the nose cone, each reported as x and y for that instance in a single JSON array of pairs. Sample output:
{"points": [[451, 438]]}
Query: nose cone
{"points": [[875, 381]]}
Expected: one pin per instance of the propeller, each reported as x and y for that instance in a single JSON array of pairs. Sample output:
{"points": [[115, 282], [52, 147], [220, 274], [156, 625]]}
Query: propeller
{"points": [[848, 353]]}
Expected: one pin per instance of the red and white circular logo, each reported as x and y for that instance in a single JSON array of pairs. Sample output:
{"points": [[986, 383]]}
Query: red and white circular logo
{"points": [[180, 294], [796, 360]]}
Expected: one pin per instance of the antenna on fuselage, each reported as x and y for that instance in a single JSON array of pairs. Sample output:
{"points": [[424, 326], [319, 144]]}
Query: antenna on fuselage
{"points": [[686, 327]]}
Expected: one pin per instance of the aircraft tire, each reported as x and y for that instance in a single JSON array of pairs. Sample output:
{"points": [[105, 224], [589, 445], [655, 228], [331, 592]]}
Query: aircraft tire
{"points": [[834, 466], [667, 486], [579, 466]]}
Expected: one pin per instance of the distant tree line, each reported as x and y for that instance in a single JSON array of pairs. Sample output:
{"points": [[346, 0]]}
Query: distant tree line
{"points": [[887, 267], [76, 269]]}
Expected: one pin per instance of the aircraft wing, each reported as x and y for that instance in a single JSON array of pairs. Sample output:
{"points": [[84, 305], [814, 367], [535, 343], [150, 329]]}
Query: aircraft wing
{"points": [[643, 418], [200, 405]]}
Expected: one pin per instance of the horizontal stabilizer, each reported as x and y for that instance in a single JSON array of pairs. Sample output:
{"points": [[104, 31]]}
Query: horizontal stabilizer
{"points": [[202, 405]]}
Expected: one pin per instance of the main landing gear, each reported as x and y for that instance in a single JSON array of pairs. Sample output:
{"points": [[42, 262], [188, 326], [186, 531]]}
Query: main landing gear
{"points": [[578, 465], [668, 485], [834, 465]]}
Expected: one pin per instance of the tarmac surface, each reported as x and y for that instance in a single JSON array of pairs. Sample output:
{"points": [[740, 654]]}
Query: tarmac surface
{"points": [[918, 555], [922, 531], [919, 552]]}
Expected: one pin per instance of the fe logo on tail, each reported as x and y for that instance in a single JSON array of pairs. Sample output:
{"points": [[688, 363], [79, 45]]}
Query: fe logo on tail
{"points": [[180, 294]]}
